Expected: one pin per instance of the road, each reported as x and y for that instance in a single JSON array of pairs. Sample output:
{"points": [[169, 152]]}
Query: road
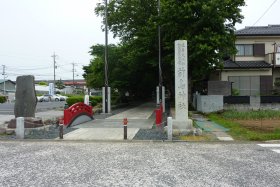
{"points": [[54, 163], [8, 108]]}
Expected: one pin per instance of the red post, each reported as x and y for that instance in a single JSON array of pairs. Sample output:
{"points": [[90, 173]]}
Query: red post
{"points": [[158, 117], [125, 121]]}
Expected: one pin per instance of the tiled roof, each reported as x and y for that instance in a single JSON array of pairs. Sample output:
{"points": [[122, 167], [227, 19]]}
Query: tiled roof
{"points": [[270, 30], [6, 80], [229, 64]]}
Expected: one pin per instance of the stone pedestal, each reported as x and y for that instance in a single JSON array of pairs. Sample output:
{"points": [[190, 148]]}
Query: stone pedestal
{"points": [[20, 128], [29, 122], [169, 128], [86, 100]]}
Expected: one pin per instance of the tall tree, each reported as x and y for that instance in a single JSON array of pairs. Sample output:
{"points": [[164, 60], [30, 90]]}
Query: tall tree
{"points": [[208, 26]]}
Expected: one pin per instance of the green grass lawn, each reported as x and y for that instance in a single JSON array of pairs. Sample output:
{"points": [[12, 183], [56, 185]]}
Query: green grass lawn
{"points": [[241, 133]]}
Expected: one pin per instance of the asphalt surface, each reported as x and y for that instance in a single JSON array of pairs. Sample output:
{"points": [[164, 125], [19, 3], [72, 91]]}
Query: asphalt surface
{"points": [[60, 163], [8, 108]]}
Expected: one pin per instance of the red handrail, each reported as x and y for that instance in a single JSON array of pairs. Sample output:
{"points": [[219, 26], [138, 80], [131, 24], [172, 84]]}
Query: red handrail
{"points": [[76, 110]]}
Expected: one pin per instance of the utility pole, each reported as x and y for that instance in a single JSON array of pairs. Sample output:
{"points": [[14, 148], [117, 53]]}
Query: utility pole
{"points": [[54, 67], [159, 57], [106, 58], [4, 75], [73, 70]]}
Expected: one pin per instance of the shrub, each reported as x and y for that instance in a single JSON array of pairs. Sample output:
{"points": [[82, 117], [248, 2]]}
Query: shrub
{"points": [[75, 99], [43, 84], [277, 83], [3, 99], [97, 99], [72, 100], [234, 92]]}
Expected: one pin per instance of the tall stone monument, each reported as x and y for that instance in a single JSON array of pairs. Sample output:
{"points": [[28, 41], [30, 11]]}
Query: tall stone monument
{"points": [[181, 85], [26, 99]]}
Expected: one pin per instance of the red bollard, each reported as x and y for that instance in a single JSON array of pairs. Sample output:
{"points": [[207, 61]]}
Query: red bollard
{"points": [[125, 121], [158, 117]]}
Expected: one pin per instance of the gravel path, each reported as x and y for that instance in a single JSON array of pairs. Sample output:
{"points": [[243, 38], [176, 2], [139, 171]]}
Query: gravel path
{"points": [[150, 134], [52, 133]]}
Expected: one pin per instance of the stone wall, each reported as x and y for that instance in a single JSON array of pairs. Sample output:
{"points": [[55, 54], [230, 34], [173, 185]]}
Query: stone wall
{"points": [[209, 103], [219, 88]]}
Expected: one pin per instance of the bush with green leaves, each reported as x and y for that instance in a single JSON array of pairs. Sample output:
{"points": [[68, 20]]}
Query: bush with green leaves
{"points": [[94, 100], [43, 83], [3, 99], [234, 92]]}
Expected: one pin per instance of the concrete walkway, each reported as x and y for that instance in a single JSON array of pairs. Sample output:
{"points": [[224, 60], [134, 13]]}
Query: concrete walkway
{"points": [[214, 128], [111, 128]]}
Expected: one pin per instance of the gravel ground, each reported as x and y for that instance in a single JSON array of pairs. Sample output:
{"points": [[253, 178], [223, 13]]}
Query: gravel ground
{"points": [[52, 133], [142, 134], [150, 134]]}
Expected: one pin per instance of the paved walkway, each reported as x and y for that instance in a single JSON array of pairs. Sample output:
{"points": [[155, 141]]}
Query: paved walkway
{"points": [[111, 128], [214, 128]]}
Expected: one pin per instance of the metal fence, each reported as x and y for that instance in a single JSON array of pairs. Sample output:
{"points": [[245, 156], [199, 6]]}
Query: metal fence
{"points": [[237, 99], [246, 99], [270, 99]]}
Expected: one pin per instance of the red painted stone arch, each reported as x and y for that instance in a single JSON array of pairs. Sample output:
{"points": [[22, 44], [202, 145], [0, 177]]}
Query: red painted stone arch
{"points": [[75, 111]]}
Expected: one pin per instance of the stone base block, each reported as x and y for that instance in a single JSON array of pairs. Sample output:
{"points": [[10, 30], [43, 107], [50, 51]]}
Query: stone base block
{"points": [[10, 131], [183, 124], [28, 131], [29, 122], [182, 127], [2, 130]]}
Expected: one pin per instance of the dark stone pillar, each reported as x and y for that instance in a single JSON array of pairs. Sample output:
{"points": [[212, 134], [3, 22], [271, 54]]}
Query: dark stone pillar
{"points": [[26, 100]]}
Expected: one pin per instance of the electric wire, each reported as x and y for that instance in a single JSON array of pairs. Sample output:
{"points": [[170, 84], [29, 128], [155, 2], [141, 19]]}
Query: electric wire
{"points": [[265, 12]]}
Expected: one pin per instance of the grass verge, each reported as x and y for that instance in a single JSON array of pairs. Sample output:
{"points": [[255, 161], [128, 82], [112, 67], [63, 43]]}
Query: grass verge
{"points": [[248, 115], [239, 132]]}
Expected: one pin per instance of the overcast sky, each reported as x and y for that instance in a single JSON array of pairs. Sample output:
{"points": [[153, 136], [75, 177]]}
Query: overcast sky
{"points": [[32, 30]]}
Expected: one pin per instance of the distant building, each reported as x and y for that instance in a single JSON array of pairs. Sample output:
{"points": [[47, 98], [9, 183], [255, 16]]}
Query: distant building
{"points": [[9, 86], [256, 66], [70, 86]]}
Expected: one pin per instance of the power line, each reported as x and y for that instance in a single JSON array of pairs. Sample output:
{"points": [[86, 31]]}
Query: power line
{"points": [[29, 69], [265, 12]]}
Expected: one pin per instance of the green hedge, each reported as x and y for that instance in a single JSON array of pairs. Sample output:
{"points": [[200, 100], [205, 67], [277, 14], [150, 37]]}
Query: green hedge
{"points": [[75, 99], [3, 99]]}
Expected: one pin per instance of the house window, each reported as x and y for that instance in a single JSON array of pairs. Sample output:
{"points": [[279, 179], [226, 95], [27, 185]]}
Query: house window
{"points": [[244, 50], [247, 85], [250, 49]]}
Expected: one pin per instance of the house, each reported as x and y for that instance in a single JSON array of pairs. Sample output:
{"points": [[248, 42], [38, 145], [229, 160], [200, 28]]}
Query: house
{"points": [[256, 66], [71, 86], [7, 86]]}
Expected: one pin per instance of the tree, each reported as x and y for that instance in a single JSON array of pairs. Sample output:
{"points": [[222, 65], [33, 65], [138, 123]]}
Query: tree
{"points": [[59, 84], [124, 73], [208, 26]]}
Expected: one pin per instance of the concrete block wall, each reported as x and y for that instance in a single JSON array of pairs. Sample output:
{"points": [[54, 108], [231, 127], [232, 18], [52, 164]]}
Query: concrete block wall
{"points": [[209, 103], [214, 103]]}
